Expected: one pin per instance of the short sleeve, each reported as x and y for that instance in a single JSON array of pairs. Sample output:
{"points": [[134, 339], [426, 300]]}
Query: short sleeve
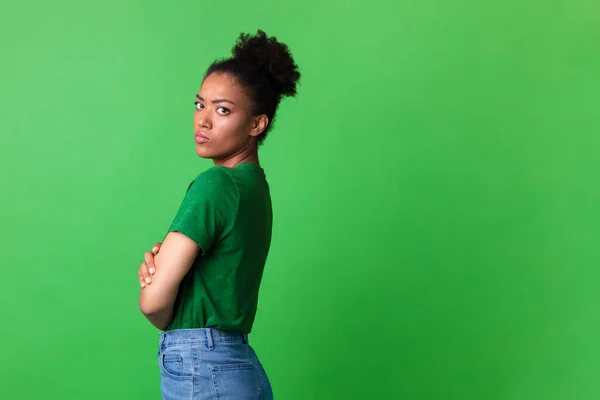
{"points": [[208, 208]]}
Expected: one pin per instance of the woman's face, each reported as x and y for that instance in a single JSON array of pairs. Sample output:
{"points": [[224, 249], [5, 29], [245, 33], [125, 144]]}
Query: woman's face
{"points": [[223, 124]]}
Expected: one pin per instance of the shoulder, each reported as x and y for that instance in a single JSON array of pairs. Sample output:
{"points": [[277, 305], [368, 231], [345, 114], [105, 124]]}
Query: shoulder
{"points": [[214, 179], [218, 175]]}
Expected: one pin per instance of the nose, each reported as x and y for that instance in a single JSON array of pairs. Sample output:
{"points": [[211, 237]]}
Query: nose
{"points": [[203, 121]]}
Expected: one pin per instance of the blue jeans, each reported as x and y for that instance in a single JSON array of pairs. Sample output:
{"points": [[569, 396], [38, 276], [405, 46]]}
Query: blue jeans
{"points": [[210, 364]]}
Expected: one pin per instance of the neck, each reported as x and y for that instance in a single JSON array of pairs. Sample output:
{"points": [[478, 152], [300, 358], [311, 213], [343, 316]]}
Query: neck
{"points": [[247, 155]]}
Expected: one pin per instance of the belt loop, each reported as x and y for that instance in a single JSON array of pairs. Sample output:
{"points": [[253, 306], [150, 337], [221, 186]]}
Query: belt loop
{"points": [[245, 338], [161, 340], [209, 339]]}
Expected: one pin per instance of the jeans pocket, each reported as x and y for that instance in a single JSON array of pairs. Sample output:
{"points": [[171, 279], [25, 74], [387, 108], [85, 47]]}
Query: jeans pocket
{"points": [[239, 381], [171, 366]]}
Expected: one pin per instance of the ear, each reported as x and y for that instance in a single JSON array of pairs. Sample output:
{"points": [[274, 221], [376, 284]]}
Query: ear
{"points": [[259, 124]]}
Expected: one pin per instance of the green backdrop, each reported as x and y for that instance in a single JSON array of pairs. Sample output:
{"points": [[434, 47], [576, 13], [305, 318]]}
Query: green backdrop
{"points": [[435, 188]]}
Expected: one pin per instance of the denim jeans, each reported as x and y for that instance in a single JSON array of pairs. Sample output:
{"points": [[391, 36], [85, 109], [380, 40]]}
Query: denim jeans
{"points": [[210, 364]]}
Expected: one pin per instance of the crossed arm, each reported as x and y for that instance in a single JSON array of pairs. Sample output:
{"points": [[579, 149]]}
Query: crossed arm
{"points": [[176, 256]]}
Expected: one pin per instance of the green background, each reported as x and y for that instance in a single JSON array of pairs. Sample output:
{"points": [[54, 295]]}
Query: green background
{"points": [[435, 188]]}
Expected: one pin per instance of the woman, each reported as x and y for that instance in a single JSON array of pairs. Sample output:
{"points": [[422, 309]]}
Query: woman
{"points": [[201, 288]]}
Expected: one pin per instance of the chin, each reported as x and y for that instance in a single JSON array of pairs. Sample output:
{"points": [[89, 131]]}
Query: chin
{"points": [[202, 152]]}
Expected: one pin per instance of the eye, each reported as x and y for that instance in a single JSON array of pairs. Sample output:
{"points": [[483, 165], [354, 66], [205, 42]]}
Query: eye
{"points": [[223, 111], [199, 106]]}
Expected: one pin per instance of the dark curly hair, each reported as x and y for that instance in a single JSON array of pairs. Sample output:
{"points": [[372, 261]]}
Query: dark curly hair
{"points": [[265, 68]]}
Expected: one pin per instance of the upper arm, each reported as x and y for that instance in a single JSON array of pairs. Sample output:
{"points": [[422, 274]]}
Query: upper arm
{"points": [[173, 261], [207, 209]]}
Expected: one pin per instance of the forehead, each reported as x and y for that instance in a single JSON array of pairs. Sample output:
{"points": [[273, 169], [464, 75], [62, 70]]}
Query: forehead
{"points": [[219, 85]]}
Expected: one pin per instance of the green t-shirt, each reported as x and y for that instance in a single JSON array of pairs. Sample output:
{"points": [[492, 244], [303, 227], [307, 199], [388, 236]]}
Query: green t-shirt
{"points": [[227, 212]]}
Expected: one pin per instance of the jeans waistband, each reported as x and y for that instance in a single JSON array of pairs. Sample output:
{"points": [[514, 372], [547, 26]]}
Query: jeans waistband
{"points": [[207, 336]]}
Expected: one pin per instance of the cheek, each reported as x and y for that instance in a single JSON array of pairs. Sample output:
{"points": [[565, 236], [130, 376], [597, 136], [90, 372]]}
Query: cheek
{"points": [[231, 129]]}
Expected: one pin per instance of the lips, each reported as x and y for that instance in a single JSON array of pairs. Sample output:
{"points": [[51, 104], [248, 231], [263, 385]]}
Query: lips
{"points": [[201, 137]]}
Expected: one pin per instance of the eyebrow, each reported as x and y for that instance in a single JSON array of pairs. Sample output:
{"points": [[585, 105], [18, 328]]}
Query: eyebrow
{"points": [[217, 100]]}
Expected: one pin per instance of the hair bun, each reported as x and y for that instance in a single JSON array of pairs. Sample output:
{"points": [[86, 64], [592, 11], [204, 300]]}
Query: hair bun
{"points": [[268, 55]]}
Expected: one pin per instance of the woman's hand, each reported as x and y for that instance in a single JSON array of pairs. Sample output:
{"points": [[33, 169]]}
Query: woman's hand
{"points": [[147, 268]]}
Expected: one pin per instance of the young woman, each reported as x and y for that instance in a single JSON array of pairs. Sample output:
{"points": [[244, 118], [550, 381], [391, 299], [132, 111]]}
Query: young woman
{"points": [[201, 288]]}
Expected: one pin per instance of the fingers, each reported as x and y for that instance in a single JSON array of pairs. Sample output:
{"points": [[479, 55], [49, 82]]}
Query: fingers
{"points": [[149, 259], [144, 275], [145, 272], [148, 268]]}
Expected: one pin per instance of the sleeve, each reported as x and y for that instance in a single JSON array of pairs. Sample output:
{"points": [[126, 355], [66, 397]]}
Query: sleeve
{"points": [[208, 208]]}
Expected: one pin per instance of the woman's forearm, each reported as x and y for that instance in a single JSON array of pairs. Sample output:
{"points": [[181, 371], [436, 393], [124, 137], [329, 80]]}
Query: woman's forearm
{"points": [[160, 319]]}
